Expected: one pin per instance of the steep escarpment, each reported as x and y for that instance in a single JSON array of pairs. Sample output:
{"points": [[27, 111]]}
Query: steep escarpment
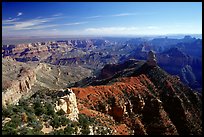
{"points": [[17, 80], [24, 79], [146, 99]]}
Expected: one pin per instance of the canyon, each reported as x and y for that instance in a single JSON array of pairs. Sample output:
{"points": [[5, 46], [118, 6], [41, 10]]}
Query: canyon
{"points": [[136, 86]]}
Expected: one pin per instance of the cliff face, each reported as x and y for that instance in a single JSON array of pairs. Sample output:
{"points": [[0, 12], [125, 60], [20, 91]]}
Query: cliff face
{"points": [[18, 89], [148, 101], [14, 89], [67, 102]]}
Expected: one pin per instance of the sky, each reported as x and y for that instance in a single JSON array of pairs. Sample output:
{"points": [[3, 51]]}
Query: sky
{"points": [[100, 18]]}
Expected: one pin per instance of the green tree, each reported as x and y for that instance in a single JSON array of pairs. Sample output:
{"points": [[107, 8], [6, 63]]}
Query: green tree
{"points": [[38, 107], [16, 120], [37, 126], [46, 118], [17, 109], [68, 130], [7, 112], [64, 121], [50, 109], [25, 105], [55, 123], [83, 119], [26, 131], [23, 102], [31, 119], [8, 130], [29, 109]]}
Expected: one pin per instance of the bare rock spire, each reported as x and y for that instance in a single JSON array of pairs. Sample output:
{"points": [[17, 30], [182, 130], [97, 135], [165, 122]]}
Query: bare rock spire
{"points": [[151, 59]]}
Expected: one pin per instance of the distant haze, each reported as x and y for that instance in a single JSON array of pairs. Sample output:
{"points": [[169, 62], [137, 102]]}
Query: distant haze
{"points": [[20, 40]]}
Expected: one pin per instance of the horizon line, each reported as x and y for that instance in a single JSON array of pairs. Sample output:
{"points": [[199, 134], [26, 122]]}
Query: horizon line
{"points": [[47, 36]]}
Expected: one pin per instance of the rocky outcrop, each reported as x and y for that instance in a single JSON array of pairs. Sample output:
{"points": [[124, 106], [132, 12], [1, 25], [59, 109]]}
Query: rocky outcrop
{"points": [[151, 59], [67, 102]]}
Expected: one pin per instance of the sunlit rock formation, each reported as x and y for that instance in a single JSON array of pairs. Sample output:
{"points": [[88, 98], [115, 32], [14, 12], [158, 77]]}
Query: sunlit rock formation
{"points": [[67, 102]]}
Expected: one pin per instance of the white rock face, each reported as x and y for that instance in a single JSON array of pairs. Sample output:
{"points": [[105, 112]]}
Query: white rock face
{"points": [[69, 105], [151, 59]]}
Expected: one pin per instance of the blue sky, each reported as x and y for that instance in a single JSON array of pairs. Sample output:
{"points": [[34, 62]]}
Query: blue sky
{"points": [[100, 18]]}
